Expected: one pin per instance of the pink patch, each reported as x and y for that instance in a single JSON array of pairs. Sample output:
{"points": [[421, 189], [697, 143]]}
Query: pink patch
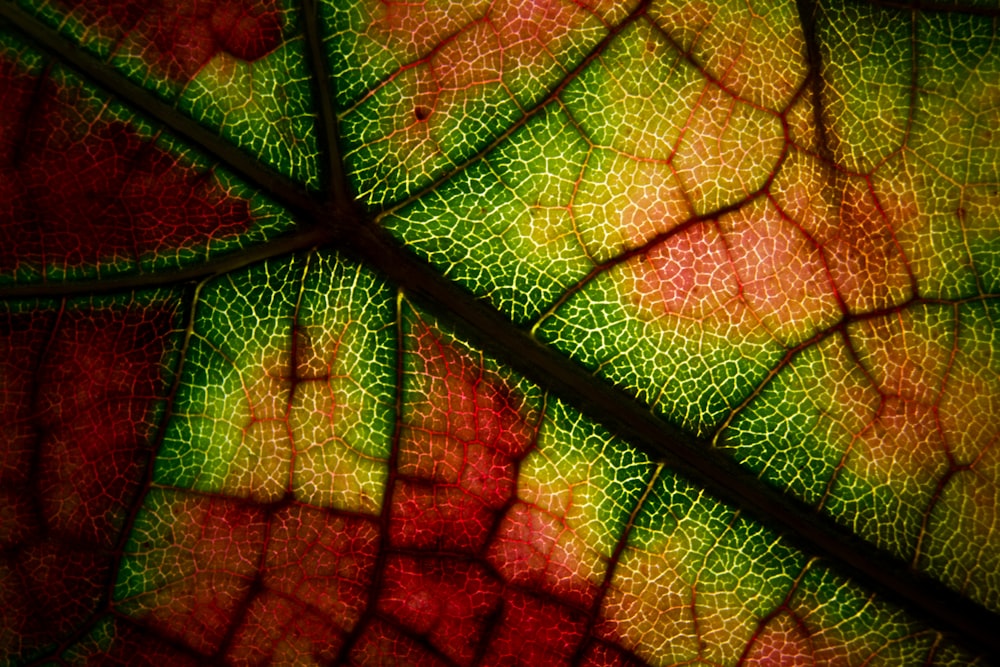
{"points": [[689, 275], [783, 642], [537, 551]]}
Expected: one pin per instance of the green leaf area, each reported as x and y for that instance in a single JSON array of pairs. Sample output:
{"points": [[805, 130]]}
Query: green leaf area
{"points": [[521, 332]]}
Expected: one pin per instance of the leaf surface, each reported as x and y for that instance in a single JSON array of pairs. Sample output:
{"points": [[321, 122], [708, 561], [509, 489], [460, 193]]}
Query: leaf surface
{"points": [[501, 333]]}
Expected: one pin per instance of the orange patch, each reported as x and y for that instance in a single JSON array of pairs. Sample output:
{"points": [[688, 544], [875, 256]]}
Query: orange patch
{"points": [[783, 278], [865, 260], [783, 642], [689, 274]]}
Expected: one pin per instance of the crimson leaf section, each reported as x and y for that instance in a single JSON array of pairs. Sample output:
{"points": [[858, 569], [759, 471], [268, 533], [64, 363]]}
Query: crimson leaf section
{"points": [[83, 385], [235, 66], [91, 191], [178, 39], [503, 527]]}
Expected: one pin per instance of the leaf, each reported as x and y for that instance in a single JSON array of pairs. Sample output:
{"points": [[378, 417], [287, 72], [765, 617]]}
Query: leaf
{"points": [[498, 333]]}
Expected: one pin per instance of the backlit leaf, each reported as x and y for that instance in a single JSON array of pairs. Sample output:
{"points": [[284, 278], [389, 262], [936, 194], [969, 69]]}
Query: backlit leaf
{"points": [[497, 333]]}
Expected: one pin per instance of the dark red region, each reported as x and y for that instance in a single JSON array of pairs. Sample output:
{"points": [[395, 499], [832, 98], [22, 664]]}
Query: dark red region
{"points": [[132, 647], [441, 600], [603, 655], [381, 644], [77, 393], [177, 37], [238, 582], [431, 516], [465, 435], [281, 631], [448, 601], [48, 590], [79, 192], [533, 631], [243, 583], [323, 561]]}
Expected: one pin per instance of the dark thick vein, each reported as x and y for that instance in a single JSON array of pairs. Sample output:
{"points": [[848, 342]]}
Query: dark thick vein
{"points": [[339, 190], [306, 237], [808, 16], [935, 7], [685, 453]]}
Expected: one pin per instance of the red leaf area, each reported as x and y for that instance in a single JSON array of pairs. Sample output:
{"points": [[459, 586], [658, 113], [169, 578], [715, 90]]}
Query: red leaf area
{"points": [[447, 574], [178, 37], [463, 572], [76, 393], [781, 640], [81, 191]]}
